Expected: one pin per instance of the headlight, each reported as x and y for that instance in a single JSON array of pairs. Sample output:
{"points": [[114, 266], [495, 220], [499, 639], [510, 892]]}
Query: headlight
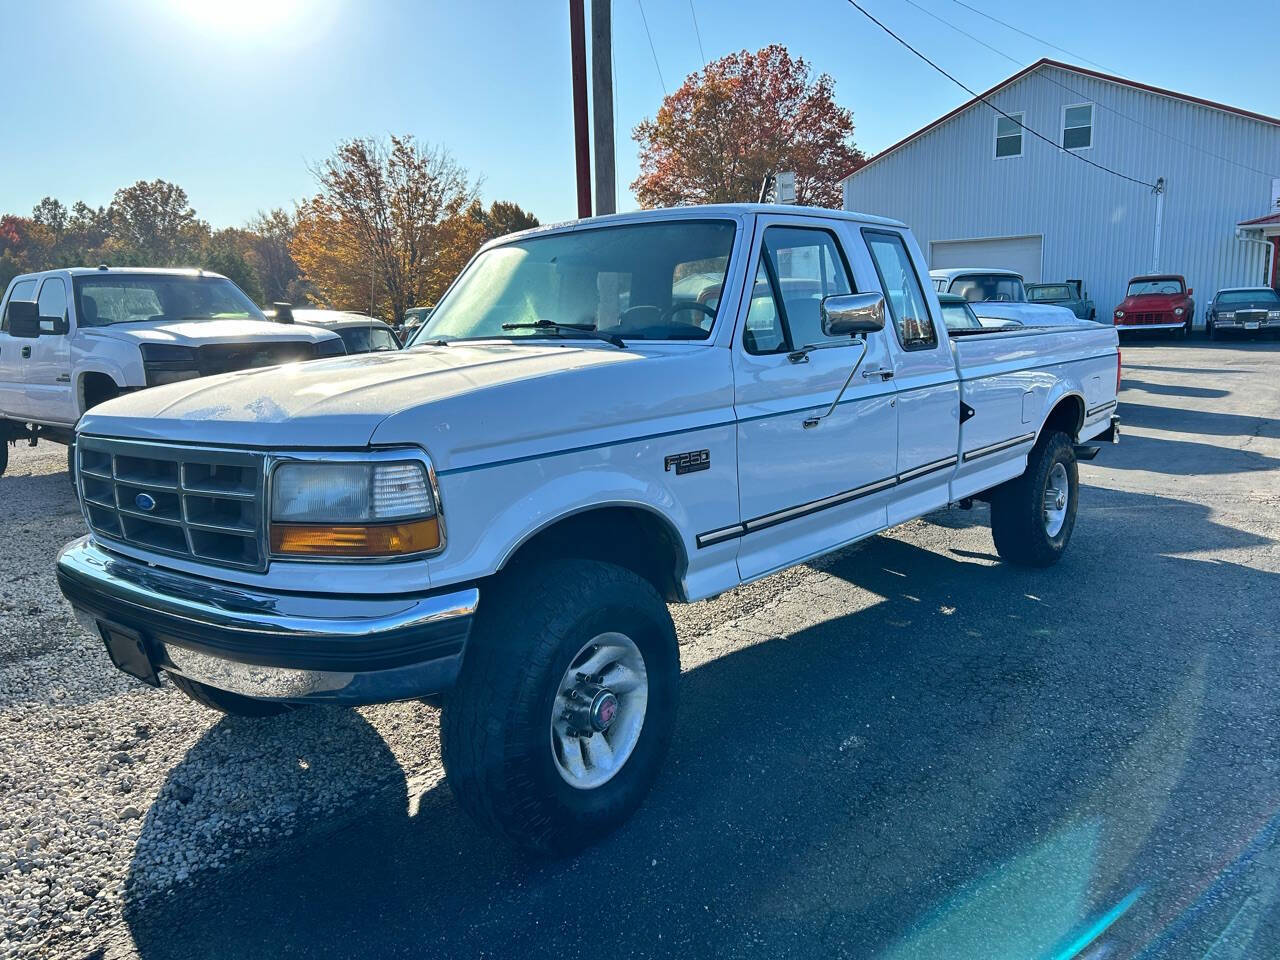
{"points": [[1119, 314], [353, 509], [331, 348], [1226, 315], [1273, 314], [1178, 311], [168, 363]]}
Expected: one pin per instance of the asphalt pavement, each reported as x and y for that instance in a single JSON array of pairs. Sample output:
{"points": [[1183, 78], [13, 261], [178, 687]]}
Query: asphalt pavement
{"points": [[907, 750]]}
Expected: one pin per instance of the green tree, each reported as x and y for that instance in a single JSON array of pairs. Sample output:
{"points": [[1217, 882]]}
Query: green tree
{"points": [[152, 224]]}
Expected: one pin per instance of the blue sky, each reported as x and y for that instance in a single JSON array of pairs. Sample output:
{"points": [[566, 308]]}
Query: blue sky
{"points": [[232, 99]]}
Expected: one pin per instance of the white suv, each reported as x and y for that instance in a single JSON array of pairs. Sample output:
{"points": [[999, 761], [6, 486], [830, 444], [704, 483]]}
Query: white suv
{"points": [[70, 339]]}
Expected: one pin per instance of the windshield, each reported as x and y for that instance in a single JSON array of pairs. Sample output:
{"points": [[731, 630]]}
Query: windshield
{"points": [[1248, 296], [1139, 288], [130, 298], [1056, 291], [959, 316], [644, 281], [977, 287], [368, 339]]}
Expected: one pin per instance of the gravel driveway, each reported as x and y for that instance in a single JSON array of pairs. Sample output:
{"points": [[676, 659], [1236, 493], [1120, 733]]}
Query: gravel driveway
{"points": [[943, 716]]}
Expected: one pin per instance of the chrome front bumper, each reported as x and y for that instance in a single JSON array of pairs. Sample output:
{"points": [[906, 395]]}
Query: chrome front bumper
{"points": [[277, 646]]}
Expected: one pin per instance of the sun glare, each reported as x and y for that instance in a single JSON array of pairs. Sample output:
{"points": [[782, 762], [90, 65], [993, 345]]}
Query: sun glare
{"points": [[251, 16]]}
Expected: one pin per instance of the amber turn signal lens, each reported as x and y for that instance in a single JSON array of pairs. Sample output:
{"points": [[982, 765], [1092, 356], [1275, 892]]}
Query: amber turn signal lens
{"points": [[355, 540]]}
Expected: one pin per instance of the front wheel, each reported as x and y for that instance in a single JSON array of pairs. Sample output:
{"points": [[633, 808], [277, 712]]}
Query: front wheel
{"points": [[565, 706], [1032, 516]]}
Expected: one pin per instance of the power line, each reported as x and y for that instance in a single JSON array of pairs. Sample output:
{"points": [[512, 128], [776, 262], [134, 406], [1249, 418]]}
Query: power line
{"points": [[697, 33], [1030, 36], [977, 96], [645, 21], [1078, 93]]}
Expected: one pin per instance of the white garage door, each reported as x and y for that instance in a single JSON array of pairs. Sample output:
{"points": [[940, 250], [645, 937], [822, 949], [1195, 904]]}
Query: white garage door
{"points": [[1023, 254]]}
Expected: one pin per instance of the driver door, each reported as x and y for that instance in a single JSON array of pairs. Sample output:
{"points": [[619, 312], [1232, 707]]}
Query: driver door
{"points": [[804, 490]]}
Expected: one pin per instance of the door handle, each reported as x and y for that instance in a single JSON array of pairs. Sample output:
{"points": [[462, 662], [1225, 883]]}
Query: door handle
{"points": [[26, 353], [883, 374]]}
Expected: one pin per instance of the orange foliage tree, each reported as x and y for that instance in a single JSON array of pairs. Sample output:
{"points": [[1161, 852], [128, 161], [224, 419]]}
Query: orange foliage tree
{"points": [[743, 117], [393, 214]]}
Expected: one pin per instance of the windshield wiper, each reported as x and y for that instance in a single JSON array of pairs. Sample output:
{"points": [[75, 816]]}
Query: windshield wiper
{"points": [[561, 328]]}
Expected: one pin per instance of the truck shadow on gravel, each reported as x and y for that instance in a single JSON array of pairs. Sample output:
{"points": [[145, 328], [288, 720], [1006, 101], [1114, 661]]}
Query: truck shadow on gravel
{"points": [[974, 748]]}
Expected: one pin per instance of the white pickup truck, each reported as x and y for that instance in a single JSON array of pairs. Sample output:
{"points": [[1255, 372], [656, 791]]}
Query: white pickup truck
{"points": [[599, 418], [71, 339]]}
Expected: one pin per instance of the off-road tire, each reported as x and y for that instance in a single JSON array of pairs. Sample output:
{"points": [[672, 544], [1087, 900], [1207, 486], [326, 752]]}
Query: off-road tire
{"points": [[495, 726], [233, 704], [1017, 506]]}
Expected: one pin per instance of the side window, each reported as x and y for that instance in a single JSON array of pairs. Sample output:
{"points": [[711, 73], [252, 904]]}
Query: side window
{"points": [[380, 339], [799, 267], [53, 302], [1077, 127], [906, 301], [1009, 135], [22, 290]]}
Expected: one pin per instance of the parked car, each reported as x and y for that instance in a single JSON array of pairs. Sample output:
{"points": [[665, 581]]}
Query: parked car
{"points": [[500, 514], [414, 317], [1070, 294], [999, 295], [360, 334], [1160, 302], [71, 339], [1243, 308]]}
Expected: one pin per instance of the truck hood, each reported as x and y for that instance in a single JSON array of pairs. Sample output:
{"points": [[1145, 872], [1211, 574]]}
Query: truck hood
{"points": [[1027, 314], [340, 402], [195, 333], [1153, 302]]}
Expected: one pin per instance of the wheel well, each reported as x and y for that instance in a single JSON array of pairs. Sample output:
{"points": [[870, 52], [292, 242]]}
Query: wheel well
{"points": [[96, 388], [1067, 416], [631, 537]]}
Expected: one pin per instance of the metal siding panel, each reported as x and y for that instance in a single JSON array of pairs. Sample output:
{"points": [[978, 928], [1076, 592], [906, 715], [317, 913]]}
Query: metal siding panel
{"points": [[947, 185]]}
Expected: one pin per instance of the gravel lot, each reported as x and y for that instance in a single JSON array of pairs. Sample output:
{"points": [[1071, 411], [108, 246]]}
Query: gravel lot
{"points": [[945, 721]]}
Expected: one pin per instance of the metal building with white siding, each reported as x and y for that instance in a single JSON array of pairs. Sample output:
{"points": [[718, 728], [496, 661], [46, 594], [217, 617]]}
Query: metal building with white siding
{"points": [[981, 192]]}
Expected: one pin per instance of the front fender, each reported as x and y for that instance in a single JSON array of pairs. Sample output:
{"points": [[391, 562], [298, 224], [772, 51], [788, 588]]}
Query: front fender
{"points": [[490, 511]]}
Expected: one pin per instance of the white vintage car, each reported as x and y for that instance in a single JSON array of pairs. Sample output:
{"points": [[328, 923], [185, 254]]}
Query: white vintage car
{"points": [[499, 514]]}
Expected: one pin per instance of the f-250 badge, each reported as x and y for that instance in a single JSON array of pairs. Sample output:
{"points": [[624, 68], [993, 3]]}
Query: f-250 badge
{"points": [[690, 462]]}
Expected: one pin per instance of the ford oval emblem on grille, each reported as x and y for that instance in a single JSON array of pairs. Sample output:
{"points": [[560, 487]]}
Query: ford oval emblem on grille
{"points": [[145, 501]]}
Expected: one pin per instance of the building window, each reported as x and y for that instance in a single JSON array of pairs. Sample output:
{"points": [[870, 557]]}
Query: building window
{"points": [[1077, 127], [1009, 135]]}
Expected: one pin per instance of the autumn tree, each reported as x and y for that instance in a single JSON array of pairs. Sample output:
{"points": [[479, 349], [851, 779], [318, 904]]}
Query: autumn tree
{"points": [[392, 213], [503, 217], [153, 224], [743, 117], [278, 274]]}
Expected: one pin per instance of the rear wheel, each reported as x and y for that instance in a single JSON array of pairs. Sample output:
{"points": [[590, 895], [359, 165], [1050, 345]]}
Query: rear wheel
{"points": [[566, 704], [230, 703], [4, 454], [1032, 516]]}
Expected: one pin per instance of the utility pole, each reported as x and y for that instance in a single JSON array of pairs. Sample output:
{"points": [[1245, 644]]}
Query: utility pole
{"points": [[581, 135], [602, 104], [1155, 253]]}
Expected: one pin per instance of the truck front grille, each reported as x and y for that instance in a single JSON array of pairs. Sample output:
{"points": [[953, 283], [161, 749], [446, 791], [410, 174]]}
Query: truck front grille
{"points": [[226, 357], [1154, 317], [201, 503]]}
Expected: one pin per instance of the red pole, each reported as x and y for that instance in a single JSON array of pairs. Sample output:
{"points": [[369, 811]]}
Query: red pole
{"points": [[581, 141]]}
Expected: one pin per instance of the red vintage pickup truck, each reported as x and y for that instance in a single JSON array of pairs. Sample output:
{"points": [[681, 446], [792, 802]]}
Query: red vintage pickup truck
{"points": [[1157, 303]]}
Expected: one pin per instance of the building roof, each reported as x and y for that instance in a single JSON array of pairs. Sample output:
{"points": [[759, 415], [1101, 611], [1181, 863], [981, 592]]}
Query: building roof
{"points": [[1097, 75], [1261, 221]]}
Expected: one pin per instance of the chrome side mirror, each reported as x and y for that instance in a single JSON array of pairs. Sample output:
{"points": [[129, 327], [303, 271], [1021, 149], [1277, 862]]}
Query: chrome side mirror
{"points": [[849, 313]]}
